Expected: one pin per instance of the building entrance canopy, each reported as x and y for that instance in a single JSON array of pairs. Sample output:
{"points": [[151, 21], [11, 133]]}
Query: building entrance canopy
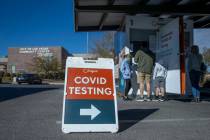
{"points": [[109, 15]]}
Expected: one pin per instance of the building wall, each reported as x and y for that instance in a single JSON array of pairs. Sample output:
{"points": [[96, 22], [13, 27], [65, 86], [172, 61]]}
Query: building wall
{"points": [[22, 59]]}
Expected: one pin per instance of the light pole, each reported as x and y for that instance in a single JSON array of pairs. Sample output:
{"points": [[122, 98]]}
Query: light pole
{"points": [[87, 42]]}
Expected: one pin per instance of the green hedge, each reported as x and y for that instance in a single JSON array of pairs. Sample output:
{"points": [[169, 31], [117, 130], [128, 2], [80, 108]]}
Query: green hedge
{"points": [[7, 79], [53, 75]]}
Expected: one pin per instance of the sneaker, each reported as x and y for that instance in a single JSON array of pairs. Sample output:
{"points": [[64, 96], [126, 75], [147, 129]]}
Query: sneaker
{"points": [[126, 98], [161, 99], [140, 98], [197, 100], [194, 100], [148, 99], [155, 98]]}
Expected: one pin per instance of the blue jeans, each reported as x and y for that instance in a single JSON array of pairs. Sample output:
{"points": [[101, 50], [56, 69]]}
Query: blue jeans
{"points": [[195, 78]]}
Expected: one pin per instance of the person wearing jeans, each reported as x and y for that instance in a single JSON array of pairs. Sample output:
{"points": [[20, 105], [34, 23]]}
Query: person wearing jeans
{"points": [[194, 65], [126, 73], [195, 78]]}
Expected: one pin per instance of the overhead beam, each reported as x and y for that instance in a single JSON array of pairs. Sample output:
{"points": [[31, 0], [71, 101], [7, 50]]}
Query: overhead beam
{"points": [[76, 3], [207, 25], [95, 28], [143, 2], [172, 2], [169, 2], [103, 18], [105, 15], [195, 18], [111, 2], [200, 2], [202, 19], [179, 10], [203, 24], [122, 23]]}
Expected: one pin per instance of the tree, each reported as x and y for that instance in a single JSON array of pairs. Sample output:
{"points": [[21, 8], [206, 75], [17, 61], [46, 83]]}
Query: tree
{"points": [[104, 47], [206, 55], [49, 67]]}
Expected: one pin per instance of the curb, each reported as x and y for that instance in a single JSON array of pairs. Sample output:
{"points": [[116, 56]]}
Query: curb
{"points": [[55, 83]]}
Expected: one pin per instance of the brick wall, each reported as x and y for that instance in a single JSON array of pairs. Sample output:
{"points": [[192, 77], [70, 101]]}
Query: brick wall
{"points": [[22, 59]]}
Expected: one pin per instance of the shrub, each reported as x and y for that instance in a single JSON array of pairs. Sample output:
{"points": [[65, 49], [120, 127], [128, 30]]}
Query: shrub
{"points": [[1, 75], [7, 78]]}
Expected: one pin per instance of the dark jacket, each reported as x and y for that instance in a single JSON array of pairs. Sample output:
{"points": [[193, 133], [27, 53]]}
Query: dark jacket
{"points": [[145, 60]]}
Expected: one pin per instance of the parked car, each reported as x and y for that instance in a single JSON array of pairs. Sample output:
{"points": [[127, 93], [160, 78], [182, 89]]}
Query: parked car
{"points": [[29, 78]]}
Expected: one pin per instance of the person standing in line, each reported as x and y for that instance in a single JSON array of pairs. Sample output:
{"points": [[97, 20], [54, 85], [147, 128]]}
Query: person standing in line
{"points": [[145, 61], [126, 73], [159, 75], [195, 62]]}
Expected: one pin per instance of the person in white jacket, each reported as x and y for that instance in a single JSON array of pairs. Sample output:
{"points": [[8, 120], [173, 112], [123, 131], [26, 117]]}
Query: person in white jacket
{"points": [[159, 75]]}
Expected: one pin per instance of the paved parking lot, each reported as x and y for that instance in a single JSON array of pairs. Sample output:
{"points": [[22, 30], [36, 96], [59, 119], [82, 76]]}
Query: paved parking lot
{"points": [[33, 112]]}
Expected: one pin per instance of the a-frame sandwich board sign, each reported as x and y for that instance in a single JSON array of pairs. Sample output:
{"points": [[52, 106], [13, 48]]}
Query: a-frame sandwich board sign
{"points": [[89, 103]]}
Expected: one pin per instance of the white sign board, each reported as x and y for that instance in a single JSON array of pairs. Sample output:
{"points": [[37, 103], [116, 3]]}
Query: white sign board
{"points": [[89, 103], [168, 52]]}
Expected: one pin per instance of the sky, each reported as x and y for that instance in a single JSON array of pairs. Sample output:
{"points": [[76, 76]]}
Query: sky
{"points": [[202, 38], [49, 23], [40, 23]]}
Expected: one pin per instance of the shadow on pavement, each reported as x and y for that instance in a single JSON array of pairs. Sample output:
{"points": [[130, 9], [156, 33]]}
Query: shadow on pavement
{"points": [[130, 117], [204, 96], [7, 93]]}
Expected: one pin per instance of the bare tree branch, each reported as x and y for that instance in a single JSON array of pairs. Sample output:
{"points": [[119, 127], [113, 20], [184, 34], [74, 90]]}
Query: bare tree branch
{"points": [[104, 47]]}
